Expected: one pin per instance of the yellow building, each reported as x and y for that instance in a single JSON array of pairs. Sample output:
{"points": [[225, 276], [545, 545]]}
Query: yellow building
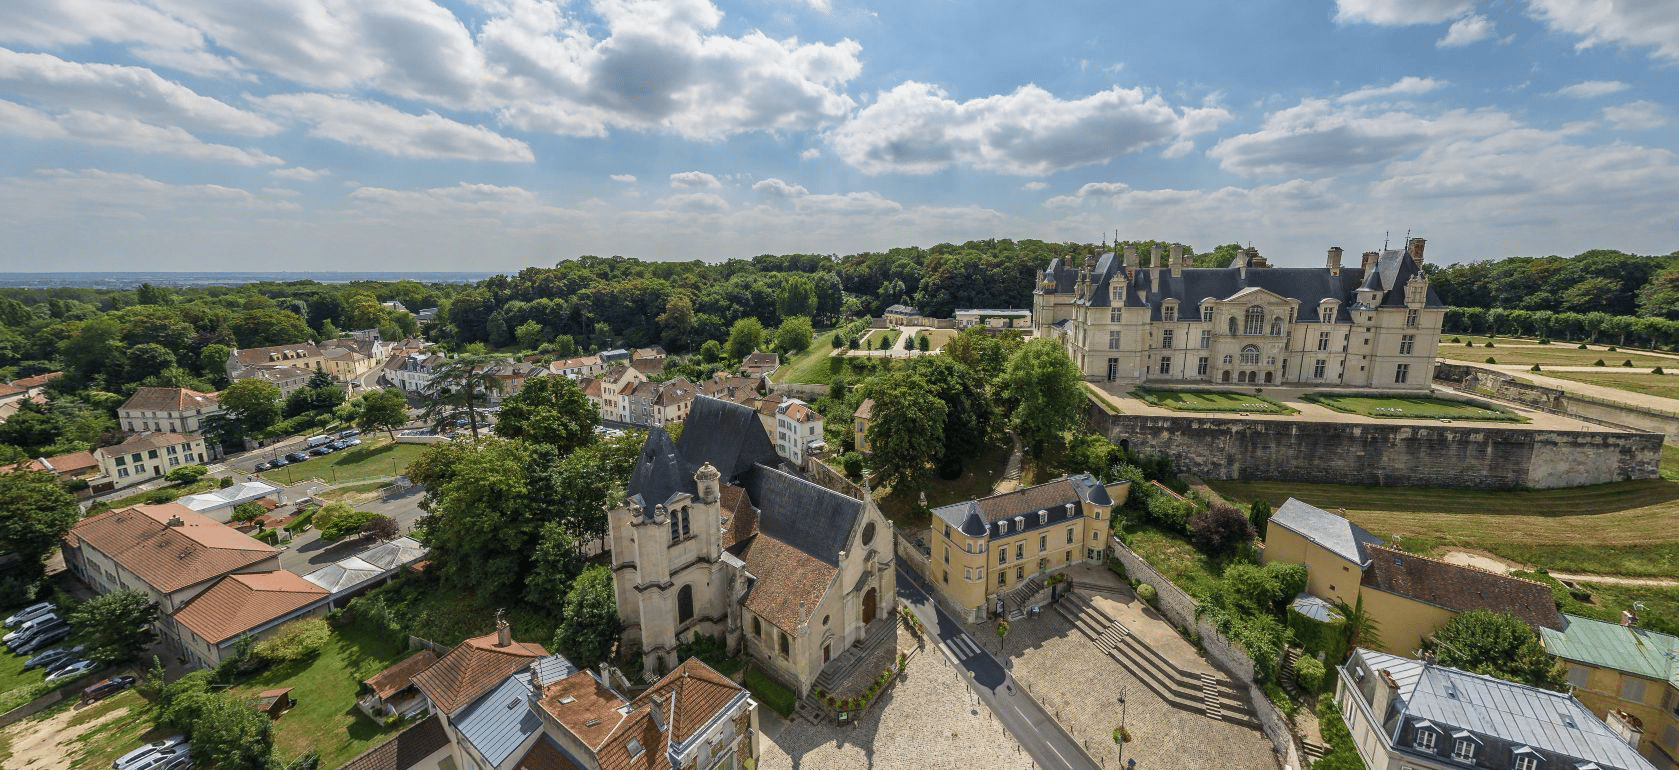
{"points": [[1627, 675], [984, 549], [1408, 596], [860, 423]]}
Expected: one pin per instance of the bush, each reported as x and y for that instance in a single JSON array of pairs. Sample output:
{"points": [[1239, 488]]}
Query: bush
{"points": [[1612, 348], [344, 525], [1582, 346], [1308, 673], [300, 521], [1627, 362], [1598, 362], [269, 536], [853, 464], [1491, 360], [1147, 593], [297, 640], [1657, 370], [227, 481], [380, 527], [1544, 340], [187, 474], [159, 497], [1219, 530], [244, 512], [1534, 368], [1457, 339], [1470, 343], [1489, 344]]}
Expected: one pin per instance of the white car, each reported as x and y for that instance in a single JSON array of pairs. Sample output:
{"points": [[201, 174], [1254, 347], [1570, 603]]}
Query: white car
{"points": [[28, 628], [71, 671], [133, 757], [31, 612]]}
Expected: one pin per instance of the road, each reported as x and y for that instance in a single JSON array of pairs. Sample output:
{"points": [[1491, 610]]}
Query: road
{"points": [[1038, 734]]}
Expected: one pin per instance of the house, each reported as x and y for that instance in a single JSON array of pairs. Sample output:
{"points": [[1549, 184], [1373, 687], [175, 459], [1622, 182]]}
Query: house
{"points": [[659, 403], [209, 625], [348, 358], [393, 305], [758, 364], [426, 315], [578, 368], [615, 356], [413, 372], [902, 315], [860, 424], [614, 400], [732, 388], [994, 318], [1406, 713], [648, 361], [167, 552], [1409, 596], [289, 379], [714, 538], [176, 410], [991, 555], [221, 502], [798, 431], [15, 394], [148, 456], [301, 355], [1376, 326], [75, 466], [1626, 674]]}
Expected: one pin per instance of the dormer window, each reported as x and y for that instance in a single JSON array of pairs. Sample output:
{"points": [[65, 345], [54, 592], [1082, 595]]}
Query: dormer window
{"points": [[1526, 759], [1169, 311], [1464, 746], [1043, 518], [1020, 523], [1424, 740], [1207, 312], [1003, 527]]}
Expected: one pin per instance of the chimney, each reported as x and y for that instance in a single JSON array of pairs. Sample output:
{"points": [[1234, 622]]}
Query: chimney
{"points": [[175, 521], [1413, 247], [1385, 690], [1130, 259], [504, 633], [1177, 260], [657, 712], [1334, 260], [1154, 256], [1370, 259]]}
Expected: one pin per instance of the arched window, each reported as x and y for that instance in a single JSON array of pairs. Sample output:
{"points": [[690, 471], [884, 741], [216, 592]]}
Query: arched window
{"points": [[675, 528], [1250, 355], [1227, 360], [1254, 321], [1233, 324], [1267, 378], [685, 604], [1241, 376], [1227, 372], [1277, 326]]}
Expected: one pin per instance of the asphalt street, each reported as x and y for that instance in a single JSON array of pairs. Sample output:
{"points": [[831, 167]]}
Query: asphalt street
{"points": [[1038, 734]]}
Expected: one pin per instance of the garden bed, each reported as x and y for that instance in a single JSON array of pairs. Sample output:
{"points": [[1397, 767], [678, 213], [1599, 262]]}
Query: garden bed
{"points": [[1413, 408], [1210, 401]]}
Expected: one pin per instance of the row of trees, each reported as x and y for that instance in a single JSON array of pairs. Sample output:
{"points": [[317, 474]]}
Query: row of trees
{"points": [[1596, 281], [1644, 331]]}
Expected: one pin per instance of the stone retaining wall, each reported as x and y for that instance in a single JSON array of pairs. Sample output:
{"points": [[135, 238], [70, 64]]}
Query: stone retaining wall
{"points": [[1502, 385]]}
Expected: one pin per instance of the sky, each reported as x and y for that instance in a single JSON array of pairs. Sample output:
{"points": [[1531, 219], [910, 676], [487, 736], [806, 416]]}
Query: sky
{"points": [[490, 135]]}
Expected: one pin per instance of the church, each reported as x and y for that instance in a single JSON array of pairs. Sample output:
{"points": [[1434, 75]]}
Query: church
{"points": [[717, 536], [1169, 324]]}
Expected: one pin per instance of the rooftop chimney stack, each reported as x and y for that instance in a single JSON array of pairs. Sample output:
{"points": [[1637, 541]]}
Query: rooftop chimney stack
{"points": [[1413, 247], [1370, 259], [1177, 260], [175, 521], [1154, 259], [504, 632], [1335, 260], [1130, 259], [657, 712]]}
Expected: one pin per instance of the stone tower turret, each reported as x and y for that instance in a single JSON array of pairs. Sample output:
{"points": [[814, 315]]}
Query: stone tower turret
{"points": [[706, 481]]}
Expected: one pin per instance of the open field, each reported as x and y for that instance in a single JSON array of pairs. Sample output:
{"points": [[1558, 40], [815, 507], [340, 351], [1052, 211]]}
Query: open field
{"points": [[811, 366], [1414, 408], [1209, 401], [1630, 380], [14, 681], [1605, 601], [376, 458], [178, 490], [936, 338], [871, 341], [1627, 528], [1529, 352], [1172, 556]]}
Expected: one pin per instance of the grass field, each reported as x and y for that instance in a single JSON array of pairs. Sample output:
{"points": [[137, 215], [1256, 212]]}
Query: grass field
{"points": [[1631, 380], [1529, 352], [871, 341], [1209, 401], [936, 338], [811, 366], [1626, 528], [1605, 601], [97, 749], [1418, 408], [178, 490], [14, 681], [1172, 556], [979, 476], [377, 458]]}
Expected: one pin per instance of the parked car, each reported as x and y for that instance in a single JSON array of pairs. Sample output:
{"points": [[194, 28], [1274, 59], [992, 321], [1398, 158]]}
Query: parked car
{"points": [[41, 639], [107, 687], [315, 441], [28, 628], [29, 613], [355, 442], [166, 744], [71, 671], [262, 466], [322, 451], [298, 456], [279, 462], [348, 433], [52, 657], [178, 760]]}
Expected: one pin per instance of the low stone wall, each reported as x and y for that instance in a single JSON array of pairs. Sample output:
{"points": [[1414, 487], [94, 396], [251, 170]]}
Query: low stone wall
{"points": [[801, 391], [401, 439], [1385, 454], [827, 476], [1179, 607], [1502, 385]]}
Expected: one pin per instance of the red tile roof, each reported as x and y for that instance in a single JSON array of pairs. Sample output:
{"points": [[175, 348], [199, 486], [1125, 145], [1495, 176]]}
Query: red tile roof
{"points": [[697, 691], [584, 708], [472, 668], [392, 680], [38, 380], [144, 441], [169, 558], [425, 738], [544, 755], [170, 400], [1460, 588], [790, 582], [242, 602]]}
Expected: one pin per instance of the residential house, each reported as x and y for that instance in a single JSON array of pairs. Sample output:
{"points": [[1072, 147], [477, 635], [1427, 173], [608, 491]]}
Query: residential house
{"points": [[902, 315], [798, 431], [860, 424], [1409, 596], [242, 362], [994, 318], [1626, 674], [176, 410], [413, 372], [147, 456], [615, 356], [209, 625], [75, 466], [759, 364], [715, 538], [1376, 326], [391, 304], [659, 403], [614, 401], [648, 361], [991, 555], [289, 379], [732, 388], [578, 368], [1407, 714], [426, 315], [15, 394], [347, 359]]}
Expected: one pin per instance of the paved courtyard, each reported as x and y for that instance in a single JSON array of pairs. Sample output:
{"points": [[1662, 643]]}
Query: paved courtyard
{"points": [[929, 721]]}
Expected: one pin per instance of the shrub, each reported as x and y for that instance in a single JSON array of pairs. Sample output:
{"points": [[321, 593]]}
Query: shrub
{"points": [[268, 536], [1489, 344], [345, 525], [1218, 530], [1612, 348], [1457, 339], [1147, 593], [187, 474], [1581, 346], [297, 640], [1470, 343], [160, 497], [300, 521], [1657, 370], [1544, 340], [244, 512], [1308, 673], [1534, 368], [227, 481], [1627, 362], [1491, 360], [852, 462], [1598, 362], [380, 527]]}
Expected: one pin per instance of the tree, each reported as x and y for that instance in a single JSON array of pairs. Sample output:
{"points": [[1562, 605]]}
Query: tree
{"points": [[458, 389], [384, 410], [186, 474], [228, 735], [549, 410], [1219, 530], [115, 626], [744, 337], [797, 297], [907, 430], [711, 352], [244, 512], [255, 404], [380, 527], [212, 362], [152, 295], [1496, 644], [530, 335], [555, 565], [590, 626], [794, 334], [37, 514], [148, 360], [338, 520], [1259, 517], [1360, 626], [268, 327], [1043, 393], [968, 416]]}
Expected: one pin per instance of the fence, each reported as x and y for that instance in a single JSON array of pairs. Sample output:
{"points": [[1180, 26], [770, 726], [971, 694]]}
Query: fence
{"points": [[1179, 607]]}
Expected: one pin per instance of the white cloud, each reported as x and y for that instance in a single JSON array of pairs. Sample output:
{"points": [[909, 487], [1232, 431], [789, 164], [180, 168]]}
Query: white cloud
{"points": [[135, 92], [301, 174], [1409, 85], [1034, 186], [1636, 116], [116, 131], [820, 5], [694, 180], [1466, 31], [624, 178], [158, 38], [1399, 12], [810, 153], [1634, 23], [780, 189], [1316, 137], [385, 129], [917, 128], [1591, 89], [698, 203]]}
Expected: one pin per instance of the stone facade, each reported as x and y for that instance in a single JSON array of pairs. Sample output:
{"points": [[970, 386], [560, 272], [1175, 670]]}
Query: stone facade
{"points": [[1445, 455]]}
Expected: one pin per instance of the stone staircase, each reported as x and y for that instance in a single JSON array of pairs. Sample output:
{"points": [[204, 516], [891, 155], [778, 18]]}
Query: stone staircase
{"points": [[1023, 593], [881, 634], [1312, 750], [1286, 673], [1193, 691]]}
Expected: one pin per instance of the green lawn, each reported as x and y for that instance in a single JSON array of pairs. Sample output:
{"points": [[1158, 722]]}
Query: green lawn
{"points": [[15, 683], [936, 338], [1209, 401], [1626, 528], [871, 341], [809, 367], [1173, 557], [177, 490], [769, 692], [326, 718], [1605, 601], [1414, 408], [1527, 352], [377, 458], [1631, 380]]}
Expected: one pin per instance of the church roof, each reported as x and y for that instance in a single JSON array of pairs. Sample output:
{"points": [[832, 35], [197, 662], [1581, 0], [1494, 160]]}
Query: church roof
{"points": [[727, 435], [805, 515]]}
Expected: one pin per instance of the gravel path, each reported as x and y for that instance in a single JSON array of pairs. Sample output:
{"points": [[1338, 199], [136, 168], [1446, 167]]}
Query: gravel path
{"points": [[1502, 567]]}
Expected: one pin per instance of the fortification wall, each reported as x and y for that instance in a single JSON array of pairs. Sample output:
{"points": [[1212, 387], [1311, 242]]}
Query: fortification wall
{"points": [[1498, 384]]}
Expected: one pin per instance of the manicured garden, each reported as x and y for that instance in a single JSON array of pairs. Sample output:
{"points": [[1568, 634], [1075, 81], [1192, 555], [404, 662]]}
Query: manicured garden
{"points": [[1413, 408], [1210, 401], [1526, 352], [1630, 380], [376, 458]]}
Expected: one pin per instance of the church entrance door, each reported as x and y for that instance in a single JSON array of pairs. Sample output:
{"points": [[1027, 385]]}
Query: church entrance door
{"points": [[868, 607]]}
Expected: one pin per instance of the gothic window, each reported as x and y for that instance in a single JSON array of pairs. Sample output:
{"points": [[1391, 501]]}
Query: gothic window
{"points": [[1277, 326], [1250, 355], [685, 604], [1254, 321], [675, 529]]}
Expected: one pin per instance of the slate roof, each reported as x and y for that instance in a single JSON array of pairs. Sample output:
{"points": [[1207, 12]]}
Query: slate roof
{"points": [[406, 749], [975, 518], [1637, 651], [1459, 588], [141, 442], [472, 668], [729, 436], [169, 558], [790, 583], [1334, 533], [398, 677], [499, 721], [170, 400], [1551, 723], [802, 514], [242, 602]]}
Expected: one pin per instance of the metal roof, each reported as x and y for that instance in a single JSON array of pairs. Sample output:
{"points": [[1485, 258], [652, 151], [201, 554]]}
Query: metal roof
{"points": [[1335, 533], [499, 722], [1636, 651], [1315, 608]]}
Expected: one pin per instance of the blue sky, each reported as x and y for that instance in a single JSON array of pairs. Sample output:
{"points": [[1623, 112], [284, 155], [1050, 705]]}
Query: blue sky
{"points": [[495, 134]]}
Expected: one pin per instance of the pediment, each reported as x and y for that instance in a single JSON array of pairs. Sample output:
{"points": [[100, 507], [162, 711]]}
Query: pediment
{"points": [[1254, 294]]}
